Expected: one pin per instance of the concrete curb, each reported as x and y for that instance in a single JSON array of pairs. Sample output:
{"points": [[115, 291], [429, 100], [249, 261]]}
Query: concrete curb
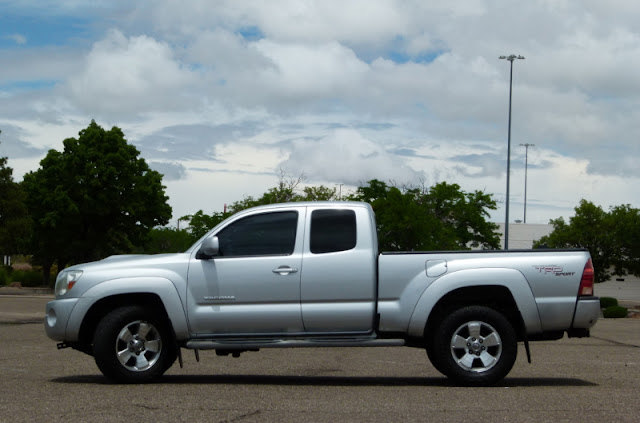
{"points": [[21, 318], [7, 290]]}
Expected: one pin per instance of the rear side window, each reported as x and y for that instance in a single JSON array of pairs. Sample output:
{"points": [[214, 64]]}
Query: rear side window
{"points": [[260, 235], [332, 231]]}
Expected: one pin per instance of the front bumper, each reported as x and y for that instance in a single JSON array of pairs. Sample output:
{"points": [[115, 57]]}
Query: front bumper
{"points": [[57, 318]]}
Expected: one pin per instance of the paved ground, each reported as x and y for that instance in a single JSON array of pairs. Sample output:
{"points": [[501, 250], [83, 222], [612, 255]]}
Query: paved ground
{"points": [[626, 291], [588, 380], [23, 308]]}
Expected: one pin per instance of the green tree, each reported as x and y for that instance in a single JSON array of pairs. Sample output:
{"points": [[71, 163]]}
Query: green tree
{"points": [[318, 193], [465, 214], [166, 240], [200, 223], [611, 238], [95, 198], [440, 218], [287, 190], [626, 232], [15, 225]]}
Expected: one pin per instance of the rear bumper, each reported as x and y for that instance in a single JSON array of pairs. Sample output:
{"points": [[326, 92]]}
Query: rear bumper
{"points": [[587, 313]]}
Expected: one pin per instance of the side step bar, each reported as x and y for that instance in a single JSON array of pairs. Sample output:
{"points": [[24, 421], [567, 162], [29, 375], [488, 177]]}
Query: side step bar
{"points": [[248, 344]]}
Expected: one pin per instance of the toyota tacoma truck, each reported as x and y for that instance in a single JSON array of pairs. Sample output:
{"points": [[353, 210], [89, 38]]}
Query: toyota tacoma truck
{"points": [[310, 275]]}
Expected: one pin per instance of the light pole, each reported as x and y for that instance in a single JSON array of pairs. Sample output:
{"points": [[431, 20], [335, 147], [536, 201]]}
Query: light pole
{"points": [[526, 164], [510, 58]]}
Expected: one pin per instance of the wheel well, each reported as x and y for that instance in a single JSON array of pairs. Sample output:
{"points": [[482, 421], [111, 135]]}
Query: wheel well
{"points": [[496, 297], [105, 305]]}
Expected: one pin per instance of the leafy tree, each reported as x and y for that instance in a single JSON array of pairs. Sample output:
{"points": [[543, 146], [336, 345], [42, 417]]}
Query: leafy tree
{"points": [[318, 193], [15, 224], [440, 218], [465, 214], [200, 223], [443, 217], [626, 232], [95, 198], [166, 240], [286, 191], [611, 238]]}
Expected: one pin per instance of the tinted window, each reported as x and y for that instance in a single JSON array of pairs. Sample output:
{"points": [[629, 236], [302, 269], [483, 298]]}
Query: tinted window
{"points": [[259, 235], [332, 230]]}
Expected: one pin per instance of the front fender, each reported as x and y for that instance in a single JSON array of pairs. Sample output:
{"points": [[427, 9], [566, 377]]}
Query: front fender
{"points": [[161, 287], [511, 279]]}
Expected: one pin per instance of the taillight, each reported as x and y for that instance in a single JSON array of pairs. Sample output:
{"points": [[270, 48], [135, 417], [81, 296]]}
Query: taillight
{"points": [[586, 283]]}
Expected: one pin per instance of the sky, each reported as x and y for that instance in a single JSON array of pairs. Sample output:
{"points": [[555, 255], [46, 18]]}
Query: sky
{"points": [[223, 96]]}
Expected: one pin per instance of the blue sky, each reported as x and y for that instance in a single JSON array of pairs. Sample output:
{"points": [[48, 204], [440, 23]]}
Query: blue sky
{"points": [[220, 96], [19, 31]]}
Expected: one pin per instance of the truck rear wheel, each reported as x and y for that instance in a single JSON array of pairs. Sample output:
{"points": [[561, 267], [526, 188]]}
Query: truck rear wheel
{"points": [[475, 346], [132, 345]]}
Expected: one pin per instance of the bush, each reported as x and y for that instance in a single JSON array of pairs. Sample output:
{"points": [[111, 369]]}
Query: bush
{"points": [[606, 302], [27, 278], [5, 273], [614, 312]]}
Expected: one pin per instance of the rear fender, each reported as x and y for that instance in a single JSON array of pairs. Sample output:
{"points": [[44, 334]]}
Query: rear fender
{"points": [[511, 279]]}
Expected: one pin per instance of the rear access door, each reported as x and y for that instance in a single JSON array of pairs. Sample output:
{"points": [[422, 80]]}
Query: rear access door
{"points": [[338, 280]]}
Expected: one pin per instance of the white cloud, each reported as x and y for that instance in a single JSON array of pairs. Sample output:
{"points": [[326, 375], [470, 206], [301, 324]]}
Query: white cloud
{"points": [[17, 38], [52, 63], [245, 86], [359, 21], [310, 71], [345, 156], [128, 75]]}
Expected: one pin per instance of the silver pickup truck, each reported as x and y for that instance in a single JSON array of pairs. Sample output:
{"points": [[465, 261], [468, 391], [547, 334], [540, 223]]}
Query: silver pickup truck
{"points": [[309, 275]]}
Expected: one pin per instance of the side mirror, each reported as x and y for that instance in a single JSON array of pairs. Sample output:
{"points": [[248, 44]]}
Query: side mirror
{"points": [[209, 248]]}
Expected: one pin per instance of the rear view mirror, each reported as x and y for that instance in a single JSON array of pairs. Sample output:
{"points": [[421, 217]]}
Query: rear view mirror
{"points": [[209, 248]]}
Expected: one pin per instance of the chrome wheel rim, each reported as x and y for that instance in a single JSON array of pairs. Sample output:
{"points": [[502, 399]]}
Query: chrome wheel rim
{"points": [[476, 346], [138, 346]]}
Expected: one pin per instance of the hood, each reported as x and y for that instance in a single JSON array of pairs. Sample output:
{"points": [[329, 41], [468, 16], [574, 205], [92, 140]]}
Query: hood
{"points": [[132, 261]]}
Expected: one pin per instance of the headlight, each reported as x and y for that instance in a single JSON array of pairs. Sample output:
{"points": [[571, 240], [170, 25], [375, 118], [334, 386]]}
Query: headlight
{"points": [[65, 281]]}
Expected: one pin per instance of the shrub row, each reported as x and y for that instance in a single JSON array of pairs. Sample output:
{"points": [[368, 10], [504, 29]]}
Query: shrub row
{"points": [[606, 302], [27, 278], [614, 312], [611, 309]]}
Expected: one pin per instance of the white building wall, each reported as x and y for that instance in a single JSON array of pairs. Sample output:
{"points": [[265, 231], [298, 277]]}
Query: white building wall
{"points": [[522, 235]]}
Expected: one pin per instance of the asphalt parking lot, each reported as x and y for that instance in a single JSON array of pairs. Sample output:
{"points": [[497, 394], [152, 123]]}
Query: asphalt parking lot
{"points": [[588, 380]]}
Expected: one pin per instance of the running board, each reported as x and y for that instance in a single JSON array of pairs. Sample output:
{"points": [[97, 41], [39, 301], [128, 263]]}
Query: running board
{"points": [[249, 344]]}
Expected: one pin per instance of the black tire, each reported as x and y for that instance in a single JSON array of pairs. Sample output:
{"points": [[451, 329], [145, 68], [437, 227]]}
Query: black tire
{"points": [[433, 358], [133, 345], [475, 346]]}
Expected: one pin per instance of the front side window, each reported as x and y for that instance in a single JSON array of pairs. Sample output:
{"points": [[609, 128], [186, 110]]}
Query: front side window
{"points": [[260, 235], [332, 231]]}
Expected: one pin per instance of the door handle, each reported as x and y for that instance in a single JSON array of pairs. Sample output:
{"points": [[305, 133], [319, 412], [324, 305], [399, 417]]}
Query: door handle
{"points": [[285, 270]]}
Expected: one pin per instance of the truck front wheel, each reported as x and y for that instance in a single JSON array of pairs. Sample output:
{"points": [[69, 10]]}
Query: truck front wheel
{"points": [[132, 345], [475, 346]]}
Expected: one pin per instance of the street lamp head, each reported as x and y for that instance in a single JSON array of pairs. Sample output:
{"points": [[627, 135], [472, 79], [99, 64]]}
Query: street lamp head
{"points": [[511, 57]]}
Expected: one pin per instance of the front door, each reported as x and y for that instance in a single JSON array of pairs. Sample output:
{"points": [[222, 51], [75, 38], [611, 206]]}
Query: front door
{"points": [[253, 285]]}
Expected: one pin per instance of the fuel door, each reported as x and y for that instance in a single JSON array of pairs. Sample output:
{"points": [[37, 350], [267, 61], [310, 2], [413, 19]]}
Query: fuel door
{"points": [[436, 268]]}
